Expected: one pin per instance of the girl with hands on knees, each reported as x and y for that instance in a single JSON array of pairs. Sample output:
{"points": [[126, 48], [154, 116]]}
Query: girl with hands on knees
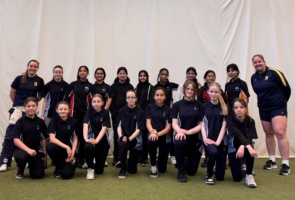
{"points": [[213, 133], [28, 134], [187, 115], [158, 123], [95, 124], [130, 123], [63, 141], [241, 132]]}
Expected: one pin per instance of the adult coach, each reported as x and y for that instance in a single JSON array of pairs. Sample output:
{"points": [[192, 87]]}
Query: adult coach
{"points": [[273, 93]]}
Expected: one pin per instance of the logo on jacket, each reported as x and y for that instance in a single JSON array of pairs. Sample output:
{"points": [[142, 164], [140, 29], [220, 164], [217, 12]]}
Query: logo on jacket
{"points": [[35, 84], [135, 116], [69, 127], [38, 128], [195, 108], [86, 89], [266, 78], [237, 89]]}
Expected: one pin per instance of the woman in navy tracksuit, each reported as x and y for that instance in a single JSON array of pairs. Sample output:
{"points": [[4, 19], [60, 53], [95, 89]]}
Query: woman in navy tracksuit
{"points": [[187, 115], [158, 124], [130, 123], [63, 141], [120, 86], [241, 132], [214, 133], [79, 97], [28, 137], [28, 84], [144, 92], [96, 122], [164, 82], [273, 92], [53, 92]]}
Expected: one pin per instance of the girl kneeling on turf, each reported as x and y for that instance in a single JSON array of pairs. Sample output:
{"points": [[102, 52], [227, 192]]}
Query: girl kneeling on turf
{"points": [[63, 141], [213, 132], [130, 124], [158, 123], [28, 134], [95, 124], [241, 131]]}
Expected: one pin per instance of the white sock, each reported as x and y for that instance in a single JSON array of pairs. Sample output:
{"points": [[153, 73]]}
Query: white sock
{"points": [[272, 158], [285, 162]]}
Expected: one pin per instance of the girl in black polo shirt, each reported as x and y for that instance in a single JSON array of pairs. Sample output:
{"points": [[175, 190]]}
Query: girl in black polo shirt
{"points": [[130, 124], [79, 97], [241, 132], [158, 123], [187, 115], [53, 93], [95, 124], [63, 141], [214, 133], [28, 134]]}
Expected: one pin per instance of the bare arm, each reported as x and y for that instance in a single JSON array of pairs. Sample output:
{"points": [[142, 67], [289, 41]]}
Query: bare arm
{"points": [[101, 134], [108, 104], [43, 107], [24, 147], [12, 94], [221, 134]]}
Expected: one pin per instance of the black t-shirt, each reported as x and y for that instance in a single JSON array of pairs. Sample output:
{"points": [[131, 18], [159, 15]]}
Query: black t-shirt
{"points": [[30, 131]]}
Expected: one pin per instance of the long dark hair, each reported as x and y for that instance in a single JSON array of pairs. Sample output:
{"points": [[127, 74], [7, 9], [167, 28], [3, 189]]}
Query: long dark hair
{"points": [[161, 70], [83, 66], [103, 71], [125, 70]]}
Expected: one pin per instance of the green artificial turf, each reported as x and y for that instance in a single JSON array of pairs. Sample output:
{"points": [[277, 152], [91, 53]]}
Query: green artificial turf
{"points": [[142, 186]]}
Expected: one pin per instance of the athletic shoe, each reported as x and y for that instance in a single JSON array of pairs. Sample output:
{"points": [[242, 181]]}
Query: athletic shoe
{"points": [[173, 160], [90, 174], [181, 177], [19, 174], [114, 162], [154, 172], [269, 165], [106, 164], [209, 180], [122, 174], [204, 163], [56, 173], [144, 163], [250, 182], [118, 164], [243, 167], [3, 168], [27, 165], [84, 166], [285, 170]]}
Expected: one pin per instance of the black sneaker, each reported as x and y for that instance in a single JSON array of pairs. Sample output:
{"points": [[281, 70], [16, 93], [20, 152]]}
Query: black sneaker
{"points": [[181, 177], [209, 180], [204, 163], [19, 174], [114, 162], [118, 164], [122, 174], [144, 163], [285, 170], [56, 173], [269, 165]]}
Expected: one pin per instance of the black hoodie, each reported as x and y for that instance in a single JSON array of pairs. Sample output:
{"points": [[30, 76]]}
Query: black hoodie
{"points": [[119, 92]]}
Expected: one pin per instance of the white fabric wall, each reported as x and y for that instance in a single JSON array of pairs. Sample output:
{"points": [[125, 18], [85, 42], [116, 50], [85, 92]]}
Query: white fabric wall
{"points": [[149, 35]]}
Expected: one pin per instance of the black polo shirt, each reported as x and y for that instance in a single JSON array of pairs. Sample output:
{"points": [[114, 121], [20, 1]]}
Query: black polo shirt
{"points": [[31, 88], [54, 92], [104, 89], [97, 120], [159, 116], [63, 130], [130, 120], [213, 120], [30, 131], [189, 115], [233, 90]]}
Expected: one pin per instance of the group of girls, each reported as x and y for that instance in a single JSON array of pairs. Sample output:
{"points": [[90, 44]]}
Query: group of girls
{"points": [[203, 117]]}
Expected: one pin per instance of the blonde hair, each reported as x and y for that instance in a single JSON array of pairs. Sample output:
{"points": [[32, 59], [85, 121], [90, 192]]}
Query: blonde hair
{"points": [[220, 98]]}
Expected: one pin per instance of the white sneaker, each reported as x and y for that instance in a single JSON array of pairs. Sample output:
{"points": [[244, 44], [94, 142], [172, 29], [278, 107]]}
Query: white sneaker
{"points": [[84, 166], [173, 160], [3, 168], [154, 172], [106, 164], [90, 174], [250, 182]]}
